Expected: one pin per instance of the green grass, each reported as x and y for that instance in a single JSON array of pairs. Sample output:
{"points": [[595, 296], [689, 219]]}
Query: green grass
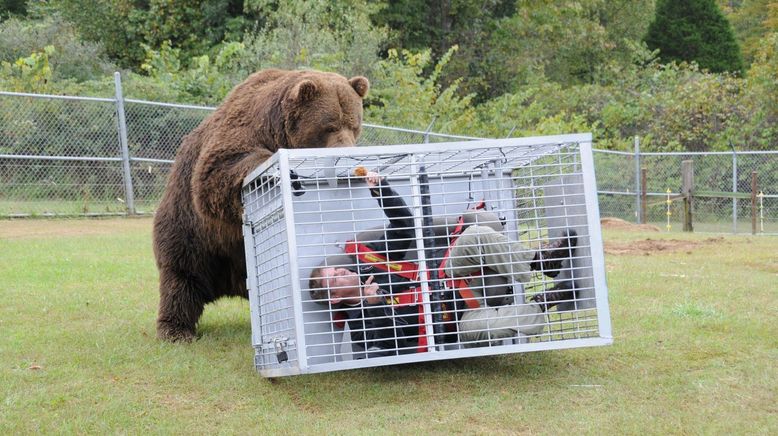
{"points": [[696, 346], [42, 208], [67, 208]]}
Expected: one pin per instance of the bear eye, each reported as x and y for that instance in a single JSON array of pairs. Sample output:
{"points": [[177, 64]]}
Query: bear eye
{"points": [[332, 129]]}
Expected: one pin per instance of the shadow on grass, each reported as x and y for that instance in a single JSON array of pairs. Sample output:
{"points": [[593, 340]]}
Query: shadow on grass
{"points": [[408, 384], [226, 320], [226, 331], [229, 328]]}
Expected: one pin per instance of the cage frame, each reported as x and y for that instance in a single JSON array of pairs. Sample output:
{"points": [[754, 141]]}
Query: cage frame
{"points": [[282, 158]]}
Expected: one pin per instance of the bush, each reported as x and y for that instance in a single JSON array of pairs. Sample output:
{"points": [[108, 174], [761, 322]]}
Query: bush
{"points": [[71, 59], [404, 95], [332, 36]]}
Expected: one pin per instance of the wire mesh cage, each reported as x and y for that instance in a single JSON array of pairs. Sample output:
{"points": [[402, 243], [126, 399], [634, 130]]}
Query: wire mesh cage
{"points": [[371, 256]]}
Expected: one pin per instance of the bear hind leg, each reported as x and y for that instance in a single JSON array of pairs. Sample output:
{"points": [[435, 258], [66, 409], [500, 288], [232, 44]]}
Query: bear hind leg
{"points": [[180, 307]]}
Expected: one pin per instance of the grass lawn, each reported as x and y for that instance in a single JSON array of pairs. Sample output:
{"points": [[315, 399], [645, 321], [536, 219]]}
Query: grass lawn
{"points": [[694, 321], [10, 208]]}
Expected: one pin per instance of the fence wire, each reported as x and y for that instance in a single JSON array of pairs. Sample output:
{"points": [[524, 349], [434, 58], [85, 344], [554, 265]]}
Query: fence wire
{"points": [[61, 156], [722, 191]]}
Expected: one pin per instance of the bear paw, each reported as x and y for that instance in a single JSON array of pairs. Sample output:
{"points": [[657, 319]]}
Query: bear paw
{"points": [[172, 333]]}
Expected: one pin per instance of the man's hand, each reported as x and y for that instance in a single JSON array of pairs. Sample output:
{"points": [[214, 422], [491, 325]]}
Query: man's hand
{"points": [[373, 179], [370, 291]]}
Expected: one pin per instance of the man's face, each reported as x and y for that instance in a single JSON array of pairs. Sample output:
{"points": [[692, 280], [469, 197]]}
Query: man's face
{"points": [[343, 285]]}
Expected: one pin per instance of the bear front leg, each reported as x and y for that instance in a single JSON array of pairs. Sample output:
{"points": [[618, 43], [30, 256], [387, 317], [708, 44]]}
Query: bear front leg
{"points": [[180, 307], [217, 181]]}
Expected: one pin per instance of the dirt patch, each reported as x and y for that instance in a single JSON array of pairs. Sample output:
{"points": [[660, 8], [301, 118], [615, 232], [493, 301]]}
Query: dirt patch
{"points": [[620, 224], [655, 246], [35, 228]]}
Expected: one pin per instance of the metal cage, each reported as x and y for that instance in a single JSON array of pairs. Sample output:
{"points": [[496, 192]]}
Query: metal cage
{"points": [[306, 209]]}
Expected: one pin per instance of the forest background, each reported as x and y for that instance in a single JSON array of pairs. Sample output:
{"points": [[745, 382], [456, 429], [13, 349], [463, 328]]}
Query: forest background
{"points": [[489, 68]]}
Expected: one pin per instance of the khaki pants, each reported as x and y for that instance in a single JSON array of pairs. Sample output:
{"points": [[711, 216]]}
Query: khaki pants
{"points": [[481, 251], [478, 327]]}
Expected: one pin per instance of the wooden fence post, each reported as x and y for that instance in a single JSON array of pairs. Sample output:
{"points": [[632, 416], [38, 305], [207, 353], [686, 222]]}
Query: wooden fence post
{"points": [[687, 189]]}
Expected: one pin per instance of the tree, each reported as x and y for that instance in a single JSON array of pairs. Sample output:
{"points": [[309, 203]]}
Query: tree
{"points": [[12, 7], [750, 21], [762, 93], [694, 30], [116, 24], [403, 94], [124, 26], [333, 36], [194, 26], [438, 25], [72, 58]]}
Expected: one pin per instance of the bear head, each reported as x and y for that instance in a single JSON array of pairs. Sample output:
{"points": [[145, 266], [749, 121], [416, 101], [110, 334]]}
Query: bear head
{"points": [[323, 110]]}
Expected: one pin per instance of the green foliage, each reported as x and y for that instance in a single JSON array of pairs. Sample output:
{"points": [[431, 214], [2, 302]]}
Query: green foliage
{"points": [[9, 8], [531, 67], [32, 73], [761, 96], [124, 26], [570, 42], [194, 27], [440, 24], [694, 30], [680, 108], [332, 36], [73, 59], [528, 113], [408, 19], [403, 95], [206, 81], [672, 107], [55, 127], [116, 24], [751, 22]]}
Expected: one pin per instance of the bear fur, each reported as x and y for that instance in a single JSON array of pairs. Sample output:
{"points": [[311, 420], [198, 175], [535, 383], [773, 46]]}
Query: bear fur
{"points": [[198, 242]]}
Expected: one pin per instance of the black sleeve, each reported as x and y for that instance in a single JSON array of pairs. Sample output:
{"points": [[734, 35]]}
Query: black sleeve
{"points": [[371, 325], [398, 235]]}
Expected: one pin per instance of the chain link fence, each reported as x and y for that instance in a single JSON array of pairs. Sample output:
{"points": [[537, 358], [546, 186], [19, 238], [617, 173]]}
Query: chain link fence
{"points": [[723, 199], [77, 156]]}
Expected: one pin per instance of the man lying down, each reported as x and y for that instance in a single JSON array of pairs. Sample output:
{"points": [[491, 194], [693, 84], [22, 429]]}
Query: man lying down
{"points": [[377, 292]]}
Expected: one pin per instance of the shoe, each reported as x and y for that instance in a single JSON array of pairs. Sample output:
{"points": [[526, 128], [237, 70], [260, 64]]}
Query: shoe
{"points": [[550, 256], [561, 292]]}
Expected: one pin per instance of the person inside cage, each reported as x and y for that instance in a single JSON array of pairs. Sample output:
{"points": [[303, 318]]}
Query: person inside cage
{"points": [[376, 290]]}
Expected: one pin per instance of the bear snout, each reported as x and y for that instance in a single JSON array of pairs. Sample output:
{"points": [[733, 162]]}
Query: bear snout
{"points": [[342, 138]]}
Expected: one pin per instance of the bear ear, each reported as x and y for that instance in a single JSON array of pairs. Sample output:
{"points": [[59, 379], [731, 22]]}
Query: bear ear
{"points": [[360, 85], [304, 91]]}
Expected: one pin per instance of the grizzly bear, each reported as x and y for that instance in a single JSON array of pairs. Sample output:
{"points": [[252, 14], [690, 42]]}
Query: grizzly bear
{"points": [[197, 228]]}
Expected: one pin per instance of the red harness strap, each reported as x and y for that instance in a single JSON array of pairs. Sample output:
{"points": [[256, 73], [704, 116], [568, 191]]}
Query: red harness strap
{"points": [[408, 270]]}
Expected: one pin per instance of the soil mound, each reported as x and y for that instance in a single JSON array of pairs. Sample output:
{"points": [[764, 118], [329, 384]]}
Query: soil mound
{"points": [[650, 246], [620, 224]]}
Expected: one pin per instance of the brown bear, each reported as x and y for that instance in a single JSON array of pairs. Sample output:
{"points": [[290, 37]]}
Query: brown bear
{"points": [[197, 228]]}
